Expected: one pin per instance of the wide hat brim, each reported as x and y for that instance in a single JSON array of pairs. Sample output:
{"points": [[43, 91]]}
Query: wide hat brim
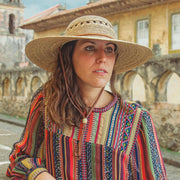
{"points": [[44, 51]]}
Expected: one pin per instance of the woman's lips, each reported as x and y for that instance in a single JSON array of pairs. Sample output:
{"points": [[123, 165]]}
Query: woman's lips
{"points": [[100, 71]]}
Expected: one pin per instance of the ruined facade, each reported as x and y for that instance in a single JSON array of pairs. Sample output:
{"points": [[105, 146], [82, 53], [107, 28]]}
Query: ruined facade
{"points": [[134, 21], [12, 38]]}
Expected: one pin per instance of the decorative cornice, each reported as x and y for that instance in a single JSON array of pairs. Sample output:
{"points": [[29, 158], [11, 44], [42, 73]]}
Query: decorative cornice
{"points": [[103, 8]]}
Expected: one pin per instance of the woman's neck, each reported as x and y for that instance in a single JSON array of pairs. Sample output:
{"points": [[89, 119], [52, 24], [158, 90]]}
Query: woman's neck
{"points": [[90, 96]]}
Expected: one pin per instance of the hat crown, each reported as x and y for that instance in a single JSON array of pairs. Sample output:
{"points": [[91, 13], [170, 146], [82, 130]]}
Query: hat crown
{"points": [[91, 25], [44, 51]]}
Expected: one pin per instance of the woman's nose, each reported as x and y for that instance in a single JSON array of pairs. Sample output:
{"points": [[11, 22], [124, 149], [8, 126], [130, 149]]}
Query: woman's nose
{"points": [[101, 56]]}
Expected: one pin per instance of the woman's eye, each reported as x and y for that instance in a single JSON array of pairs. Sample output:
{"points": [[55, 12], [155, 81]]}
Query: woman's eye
{"points": [[90, 48], [109, 50]]}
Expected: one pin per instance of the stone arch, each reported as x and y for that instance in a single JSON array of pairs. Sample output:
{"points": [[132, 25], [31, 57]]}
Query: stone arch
{"points": [[127, 84], [173, 89], [35, 84], [6, 87], [130, 80], [11, 23], [20, 85], [161, 90], [1, 93], [138, 89]]}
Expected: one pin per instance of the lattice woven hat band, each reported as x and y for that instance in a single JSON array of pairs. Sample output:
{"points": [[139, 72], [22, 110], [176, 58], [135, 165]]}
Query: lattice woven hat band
{"points": [[43, 51]]}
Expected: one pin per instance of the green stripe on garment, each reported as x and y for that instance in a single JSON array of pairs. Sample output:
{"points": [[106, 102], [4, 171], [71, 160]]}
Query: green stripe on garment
{"points": [[94, 130]]}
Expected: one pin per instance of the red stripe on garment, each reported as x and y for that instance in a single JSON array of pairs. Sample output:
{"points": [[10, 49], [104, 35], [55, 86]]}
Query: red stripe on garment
{"points": [[73, 130], [33, 105], [126, 157], [90, 125], [80, 130], [113, 164], [71, 158], [123, 165], [75, 165], [141, 158]]}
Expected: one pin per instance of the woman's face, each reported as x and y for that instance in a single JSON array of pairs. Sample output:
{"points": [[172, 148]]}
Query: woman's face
{"points": [[93, 62]]}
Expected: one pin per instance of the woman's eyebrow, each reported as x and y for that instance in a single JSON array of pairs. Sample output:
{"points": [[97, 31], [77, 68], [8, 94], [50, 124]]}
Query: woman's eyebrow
{"points": [[92, 42], [88, 41], [109, 43]]}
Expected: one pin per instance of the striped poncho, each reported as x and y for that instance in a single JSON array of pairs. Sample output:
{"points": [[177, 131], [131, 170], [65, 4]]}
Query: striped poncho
{"points": [[118, 143]]}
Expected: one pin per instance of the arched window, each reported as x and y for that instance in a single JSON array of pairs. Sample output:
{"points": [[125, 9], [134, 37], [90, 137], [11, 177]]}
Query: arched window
{"points": [[127, 84], [11, 23], [173, 89], [133, 87], [35, 84], [1, 93], [20, 87], [138, 89], [6, 87]]}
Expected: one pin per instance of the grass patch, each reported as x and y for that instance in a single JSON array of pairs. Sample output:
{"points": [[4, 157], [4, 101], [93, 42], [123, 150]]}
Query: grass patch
{"points": [[17, 117], [170, 151]]}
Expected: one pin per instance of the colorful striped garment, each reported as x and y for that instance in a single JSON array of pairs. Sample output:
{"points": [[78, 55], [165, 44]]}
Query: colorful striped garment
{"points": [[118, 143]]}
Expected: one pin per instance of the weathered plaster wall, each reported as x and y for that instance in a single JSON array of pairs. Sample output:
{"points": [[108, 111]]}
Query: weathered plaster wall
{"points": [[159, 25], [11, 44], [11, 50], [18, 105], [166, 120]]}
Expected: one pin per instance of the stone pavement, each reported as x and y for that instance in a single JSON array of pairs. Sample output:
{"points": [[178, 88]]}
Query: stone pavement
{"points": [[12, 120], [171, 159]]}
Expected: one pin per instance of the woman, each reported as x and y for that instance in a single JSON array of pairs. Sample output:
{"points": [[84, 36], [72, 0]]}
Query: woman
{"points": [[75, 128]]}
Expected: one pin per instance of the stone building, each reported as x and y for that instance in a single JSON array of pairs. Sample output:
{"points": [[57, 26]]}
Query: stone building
{"points": [[12, 56], [12, 38], [153, 23]]}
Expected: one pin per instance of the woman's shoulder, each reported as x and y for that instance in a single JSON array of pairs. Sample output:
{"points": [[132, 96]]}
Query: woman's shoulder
{"points": [[133, 105], [38, 94], [135, 109]]}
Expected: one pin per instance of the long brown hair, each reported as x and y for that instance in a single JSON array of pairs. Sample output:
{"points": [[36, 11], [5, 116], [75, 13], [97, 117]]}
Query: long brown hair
{"points": [[59, 109]]}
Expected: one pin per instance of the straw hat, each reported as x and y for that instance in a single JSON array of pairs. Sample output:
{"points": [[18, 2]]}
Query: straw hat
{"points": [[43, 51]]}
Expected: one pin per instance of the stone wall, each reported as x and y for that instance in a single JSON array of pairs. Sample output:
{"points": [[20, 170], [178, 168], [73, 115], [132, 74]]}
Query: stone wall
{"points": [[12, 37], [13, 106], [167, 123], [17, 102], [12, 44]]}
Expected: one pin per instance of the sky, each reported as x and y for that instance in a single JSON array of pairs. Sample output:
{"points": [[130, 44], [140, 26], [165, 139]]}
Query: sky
{"points": [[33, 7]]}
